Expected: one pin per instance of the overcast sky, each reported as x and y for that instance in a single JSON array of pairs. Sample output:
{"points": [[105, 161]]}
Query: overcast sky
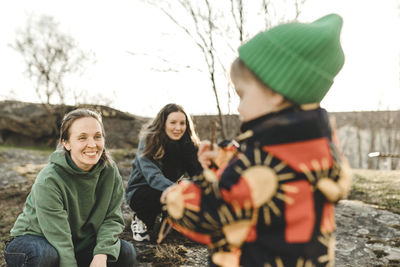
{"points": [[111, 29]]}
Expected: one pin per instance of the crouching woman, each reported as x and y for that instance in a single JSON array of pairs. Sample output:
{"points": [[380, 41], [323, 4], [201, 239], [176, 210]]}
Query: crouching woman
{"points": [[167, 151], [72, 216]]}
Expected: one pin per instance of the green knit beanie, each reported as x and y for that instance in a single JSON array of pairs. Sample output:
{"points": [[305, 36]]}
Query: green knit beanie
{"points": [[297, 60]]}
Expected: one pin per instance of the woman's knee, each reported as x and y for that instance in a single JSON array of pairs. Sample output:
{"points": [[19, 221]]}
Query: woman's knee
{"points": [[29, 250], [14, 258], [127, 254], [146, 197]]}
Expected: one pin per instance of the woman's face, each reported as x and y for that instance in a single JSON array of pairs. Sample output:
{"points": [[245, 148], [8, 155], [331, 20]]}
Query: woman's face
{"points": [[175, 125], [86, 142]]}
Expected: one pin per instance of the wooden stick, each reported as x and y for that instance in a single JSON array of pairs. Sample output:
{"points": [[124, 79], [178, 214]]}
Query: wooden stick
{"points": [[162, 234], [212, 134]]}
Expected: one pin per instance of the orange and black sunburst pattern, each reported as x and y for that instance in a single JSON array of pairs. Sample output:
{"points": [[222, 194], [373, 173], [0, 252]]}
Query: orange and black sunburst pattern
{"points": [[272, 205]]}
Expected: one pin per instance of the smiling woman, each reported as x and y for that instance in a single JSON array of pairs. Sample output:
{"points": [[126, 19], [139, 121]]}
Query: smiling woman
{"points": [[72, 216], [167, 151], [82, 136], [175, 126], [86, 142]]}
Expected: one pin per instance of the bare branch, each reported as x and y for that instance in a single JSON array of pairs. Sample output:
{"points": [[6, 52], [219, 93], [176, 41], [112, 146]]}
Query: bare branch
{"points": [[267, 12], [49, 56], [186, 30], [238, 19], [209, 25], [165, 61], [298, 5]]}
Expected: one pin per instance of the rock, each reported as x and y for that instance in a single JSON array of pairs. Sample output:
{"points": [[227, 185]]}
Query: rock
{"points": [[366, 235], [202, 125], [29, 170], [29, 124]]}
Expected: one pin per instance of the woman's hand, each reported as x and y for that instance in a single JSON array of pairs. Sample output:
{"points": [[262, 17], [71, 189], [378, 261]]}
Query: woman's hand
{"points": [[205, 154], [99, 260]]}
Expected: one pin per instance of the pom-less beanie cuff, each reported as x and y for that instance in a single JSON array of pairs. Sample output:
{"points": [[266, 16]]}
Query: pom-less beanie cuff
{"points": [[298, 61]]}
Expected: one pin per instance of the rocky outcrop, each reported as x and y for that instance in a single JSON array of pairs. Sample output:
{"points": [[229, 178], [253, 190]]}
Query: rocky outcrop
{"points": [[202, 125], [30, 124], [366, 235], [360, 133]]}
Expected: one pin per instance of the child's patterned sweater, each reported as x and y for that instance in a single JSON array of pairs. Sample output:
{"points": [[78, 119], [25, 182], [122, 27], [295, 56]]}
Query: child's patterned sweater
{"points": [[272, 202]]}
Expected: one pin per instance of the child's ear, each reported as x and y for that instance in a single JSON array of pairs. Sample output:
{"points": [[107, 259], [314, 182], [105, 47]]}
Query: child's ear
{"points": [[277, 98], [66, 145], [280, 99], [280, 102]]}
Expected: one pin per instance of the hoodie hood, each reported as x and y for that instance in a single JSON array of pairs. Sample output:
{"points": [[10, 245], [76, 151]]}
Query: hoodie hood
{"points": [[64, 161]]}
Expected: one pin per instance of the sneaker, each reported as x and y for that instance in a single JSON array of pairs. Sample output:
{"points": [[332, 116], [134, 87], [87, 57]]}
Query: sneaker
{"points": [[139, 229]]}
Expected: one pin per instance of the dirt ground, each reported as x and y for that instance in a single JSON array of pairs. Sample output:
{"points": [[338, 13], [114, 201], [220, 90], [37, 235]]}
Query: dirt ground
{"points": [[20, 166]]}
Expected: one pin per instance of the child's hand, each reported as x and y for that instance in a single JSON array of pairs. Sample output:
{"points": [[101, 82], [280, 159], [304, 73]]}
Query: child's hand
{"points": [[205, 154], [165, 193]]}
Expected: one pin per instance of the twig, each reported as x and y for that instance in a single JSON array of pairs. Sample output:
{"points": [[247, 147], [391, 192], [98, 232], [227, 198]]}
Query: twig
{"points": [[212, 134], [163, 232]]}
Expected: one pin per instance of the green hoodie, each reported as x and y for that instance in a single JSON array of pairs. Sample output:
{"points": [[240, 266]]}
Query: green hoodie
{"points": [[74, 209]]}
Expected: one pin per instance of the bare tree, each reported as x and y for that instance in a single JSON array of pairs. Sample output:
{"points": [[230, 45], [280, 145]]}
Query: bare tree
{"points": [[237, 14], [50, 56], [373, 131], [392, 139], [208, 23], [203, 31], [276, 12]]}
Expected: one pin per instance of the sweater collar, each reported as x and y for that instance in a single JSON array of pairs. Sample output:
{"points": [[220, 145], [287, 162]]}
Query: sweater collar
{"points": [[64, 160], [289, 125], [252, 123]]}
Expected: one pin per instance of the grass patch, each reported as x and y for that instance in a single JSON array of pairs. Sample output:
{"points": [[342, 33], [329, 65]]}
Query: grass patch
{"points": [[122, 154], [393, 263], [381, 188], [44, 149], [169, 255], [164, 255]]}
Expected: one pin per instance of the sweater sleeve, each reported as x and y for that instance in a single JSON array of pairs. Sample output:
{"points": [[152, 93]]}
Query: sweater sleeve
{"points": [[192, 164], [151, 172], [108, 234], [198, 210], [53, 221]]}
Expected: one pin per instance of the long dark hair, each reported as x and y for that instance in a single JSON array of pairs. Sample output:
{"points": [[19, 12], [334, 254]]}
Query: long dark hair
{"points": [[69, 119], [154, 133]]}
